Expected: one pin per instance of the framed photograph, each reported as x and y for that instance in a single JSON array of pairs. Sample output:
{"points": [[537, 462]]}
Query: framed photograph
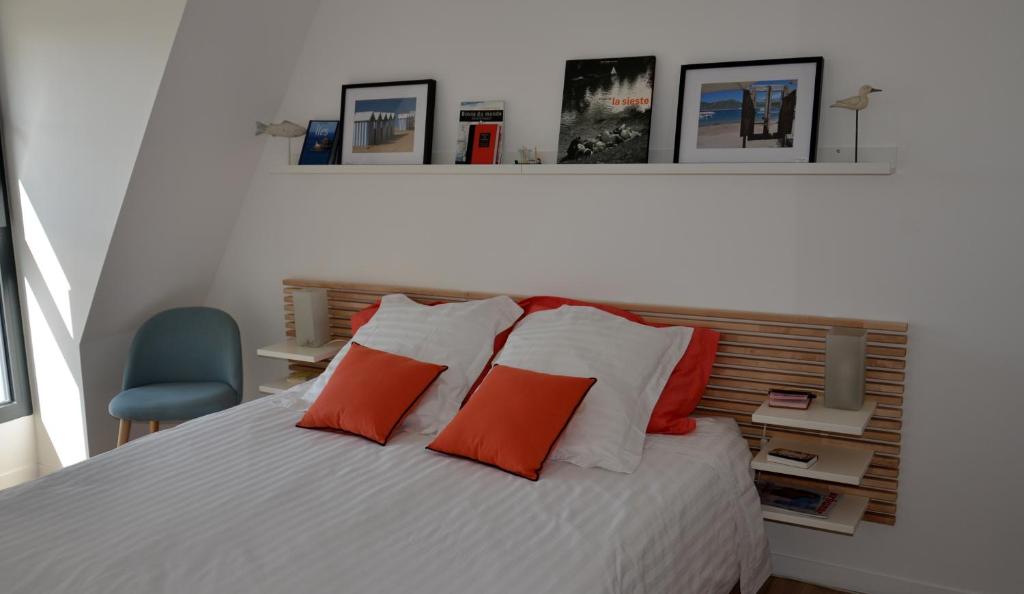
{"points": [[387, 123], [606, 110], [764, 111], [318, 148]]}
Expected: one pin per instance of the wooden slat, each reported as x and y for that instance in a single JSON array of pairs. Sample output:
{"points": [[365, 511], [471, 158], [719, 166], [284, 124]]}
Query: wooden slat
{"points": [[757, 351], [634, 307]]}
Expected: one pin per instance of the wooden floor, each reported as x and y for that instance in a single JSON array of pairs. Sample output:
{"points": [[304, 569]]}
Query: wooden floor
{"points": [[777, 585]]}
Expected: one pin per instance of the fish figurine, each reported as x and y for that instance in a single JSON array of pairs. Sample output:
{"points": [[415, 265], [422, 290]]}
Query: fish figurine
{"points": [[286, 129]]}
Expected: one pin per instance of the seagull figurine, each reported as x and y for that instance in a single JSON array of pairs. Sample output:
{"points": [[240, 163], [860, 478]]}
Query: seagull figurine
{"points": [[857, 103]]}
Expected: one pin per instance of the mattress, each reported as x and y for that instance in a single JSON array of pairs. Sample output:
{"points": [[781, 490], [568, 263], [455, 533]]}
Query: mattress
{"points": [[243, 502]]}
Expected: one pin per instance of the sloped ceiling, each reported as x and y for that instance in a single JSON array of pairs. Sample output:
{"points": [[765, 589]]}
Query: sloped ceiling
{"points": [[229, 67]]}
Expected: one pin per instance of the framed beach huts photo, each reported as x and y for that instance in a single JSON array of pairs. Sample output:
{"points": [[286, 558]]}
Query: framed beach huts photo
{"points": [[318, 147], [606, 110], [387, 123], [763, 111]]}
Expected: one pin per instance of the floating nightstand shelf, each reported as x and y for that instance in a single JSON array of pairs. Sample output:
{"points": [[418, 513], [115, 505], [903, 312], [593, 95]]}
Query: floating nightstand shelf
{"points": [[292, 352], [835, 464], [842, 518], [289, 351], [278, 386], [817, 417]]}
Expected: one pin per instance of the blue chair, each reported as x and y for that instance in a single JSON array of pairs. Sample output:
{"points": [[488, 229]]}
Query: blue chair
{"points": [[183, 363]]}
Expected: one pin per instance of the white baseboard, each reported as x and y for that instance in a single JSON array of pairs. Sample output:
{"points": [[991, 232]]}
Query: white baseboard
{"points": [[43, 469], [17, 476], [850, 578]]}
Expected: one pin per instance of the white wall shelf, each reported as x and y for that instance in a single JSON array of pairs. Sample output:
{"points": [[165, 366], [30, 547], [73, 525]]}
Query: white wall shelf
{"points": [[881, 168], [292, 352], [842, 518], [817, 417], [835, 463]]}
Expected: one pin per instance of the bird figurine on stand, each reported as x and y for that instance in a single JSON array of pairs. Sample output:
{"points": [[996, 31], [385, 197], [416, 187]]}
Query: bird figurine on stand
{"points": [[857, 103]]}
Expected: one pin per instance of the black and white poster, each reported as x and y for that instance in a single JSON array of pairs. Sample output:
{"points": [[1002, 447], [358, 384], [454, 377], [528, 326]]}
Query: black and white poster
{"points": [[606, 110]]}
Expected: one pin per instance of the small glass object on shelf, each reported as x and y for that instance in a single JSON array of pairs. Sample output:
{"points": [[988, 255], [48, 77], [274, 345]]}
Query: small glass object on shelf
{"points": [[312, 322], [529, 156], [844, 368]]}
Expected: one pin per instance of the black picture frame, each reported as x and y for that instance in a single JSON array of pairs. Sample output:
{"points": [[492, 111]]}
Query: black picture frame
{"points": [[307, 156], [428, 127], [819, 67]]}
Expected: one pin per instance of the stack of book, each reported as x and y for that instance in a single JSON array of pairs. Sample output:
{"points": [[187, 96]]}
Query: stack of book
{"points": [[790, 399], [810, 502]]}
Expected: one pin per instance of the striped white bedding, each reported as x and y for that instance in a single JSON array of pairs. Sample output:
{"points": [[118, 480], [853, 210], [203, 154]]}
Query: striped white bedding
{"points": [[243, 502]]}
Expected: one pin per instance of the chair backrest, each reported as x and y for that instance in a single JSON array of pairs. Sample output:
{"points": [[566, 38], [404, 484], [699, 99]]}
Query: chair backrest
{"points": [[187, 344]]}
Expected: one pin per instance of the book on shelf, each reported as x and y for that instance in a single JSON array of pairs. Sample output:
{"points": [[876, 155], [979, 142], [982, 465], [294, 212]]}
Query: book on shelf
{"points": [[810, 502], [481, 132], [793, 458], [778, 398]]}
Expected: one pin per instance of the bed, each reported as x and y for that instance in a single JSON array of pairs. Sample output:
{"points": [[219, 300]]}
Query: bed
{"points": [[243, 501]]}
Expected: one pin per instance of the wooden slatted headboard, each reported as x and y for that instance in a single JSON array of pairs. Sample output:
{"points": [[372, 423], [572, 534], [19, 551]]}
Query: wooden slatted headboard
{"points": [[757, 351]]}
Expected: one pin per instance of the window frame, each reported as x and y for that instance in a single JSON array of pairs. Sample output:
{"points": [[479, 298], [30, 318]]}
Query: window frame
{"points": [[11, 328]]}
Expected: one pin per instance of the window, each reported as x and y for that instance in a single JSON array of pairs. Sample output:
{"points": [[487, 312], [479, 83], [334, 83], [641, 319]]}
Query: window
{"points": [[15, 400]]}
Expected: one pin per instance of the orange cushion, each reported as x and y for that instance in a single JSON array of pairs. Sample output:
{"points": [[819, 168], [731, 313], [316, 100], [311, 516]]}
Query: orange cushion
{"points": [[682, 392], [370, 393], [513, 419]]}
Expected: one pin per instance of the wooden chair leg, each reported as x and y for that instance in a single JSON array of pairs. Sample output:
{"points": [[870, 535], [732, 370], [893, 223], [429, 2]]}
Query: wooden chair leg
{"points": [[124, 428], [154, 426]]}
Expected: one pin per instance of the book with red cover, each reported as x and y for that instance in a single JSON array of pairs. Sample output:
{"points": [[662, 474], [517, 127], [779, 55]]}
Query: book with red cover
{"points": [[483, 144], [480, 133]]}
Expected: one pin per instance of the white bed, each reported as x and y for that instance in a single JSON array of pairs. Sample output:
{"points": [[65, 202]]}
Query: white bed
{"points": [[242, 501]]}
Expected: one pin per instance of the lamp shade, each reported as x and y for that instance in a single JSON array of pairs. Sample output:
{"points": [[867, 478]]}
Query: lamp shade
{"points": [[844, 368]]}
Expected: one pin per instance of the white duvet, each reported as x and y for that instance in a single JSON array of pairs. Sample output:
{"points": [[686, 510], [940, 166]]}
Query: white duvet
{"points": [[244, 502]]}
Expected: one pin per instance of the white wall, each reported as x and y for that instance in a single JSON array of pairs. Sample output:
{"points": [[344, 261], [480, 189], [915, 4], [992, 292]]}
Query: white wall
{"points": [[17, 451], [229, 67], [937, 244], [78, 81]]}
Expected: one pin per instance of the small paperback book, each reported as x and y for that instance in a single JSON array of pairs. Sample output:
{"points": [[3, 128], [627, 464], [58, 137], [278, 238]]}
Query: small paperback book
{"points": [[811, 502], [480, 135], [792, 458]]}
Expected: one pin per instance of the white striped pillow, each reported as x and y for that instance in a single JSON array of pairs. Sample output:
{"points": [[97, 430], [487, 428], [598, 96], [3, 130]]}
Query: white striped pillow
{"points": [[631, 362], [459, 335]]}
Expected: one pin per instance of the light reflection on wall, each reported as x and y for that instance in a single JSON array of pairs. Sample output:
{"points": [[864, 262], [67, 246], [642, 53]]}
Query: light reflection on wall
{"points": [[59, 397], [46, 258]]}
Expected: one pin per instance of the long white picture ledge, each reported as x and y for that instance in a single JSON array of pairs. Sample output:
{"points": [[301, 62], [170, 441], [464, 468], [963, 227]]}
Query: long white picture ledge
{"points": [[884, 168]]}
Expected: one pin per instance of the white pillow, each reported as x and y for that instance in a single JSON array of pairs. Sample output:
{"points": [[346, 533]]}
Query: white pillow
{"points": [[459, 335], [631, 362]]}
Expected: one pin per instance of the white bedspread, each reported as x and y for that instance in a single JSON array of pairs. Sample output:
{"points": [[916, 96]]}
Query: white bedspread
{"points": [[243, 502]]}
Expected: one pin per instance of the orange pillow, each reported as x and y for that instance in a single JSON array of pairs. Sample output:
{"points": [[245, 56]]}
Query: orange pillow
{"points": [[682, 392], [370, 393], [514, 419]]}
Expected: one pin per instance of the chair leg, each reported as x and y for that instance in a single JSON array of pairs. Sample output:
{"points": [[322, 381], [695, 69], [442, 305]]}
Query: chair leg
{"points": [[124, 428], [154, 426]]}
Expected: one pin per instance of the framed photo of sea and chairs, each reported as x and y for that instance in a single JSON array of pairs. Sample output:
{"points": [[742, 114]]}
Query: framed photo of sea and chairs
{"points": [[763, 111]]}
